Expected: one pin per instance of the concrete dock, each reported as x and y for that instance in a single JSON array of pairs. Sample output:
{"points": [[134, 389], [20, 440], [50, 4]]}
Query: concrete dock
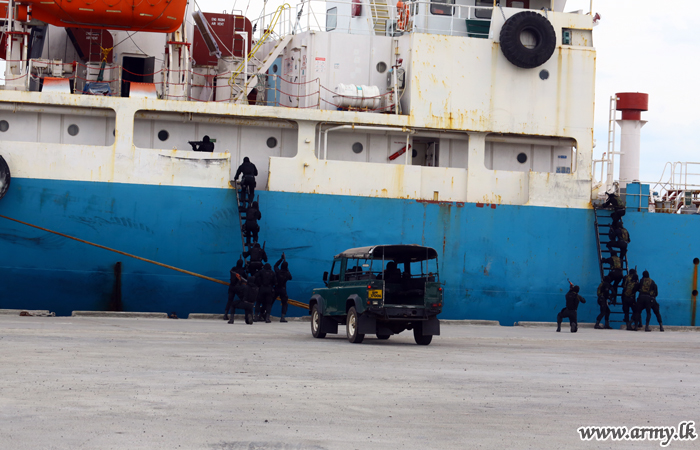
{"points": [[135, 383]]}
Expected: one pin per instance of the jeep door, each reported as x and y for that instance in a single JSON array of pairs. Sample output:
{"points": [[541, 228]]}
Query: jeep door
{"points": [[334, 283]]}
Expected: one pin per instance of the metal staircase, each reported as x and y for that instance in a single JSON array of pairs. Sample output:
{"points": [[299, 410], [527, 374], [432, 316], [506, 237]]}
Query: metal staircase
{"points": [[244, 83], [381, 15], [603, 222]]}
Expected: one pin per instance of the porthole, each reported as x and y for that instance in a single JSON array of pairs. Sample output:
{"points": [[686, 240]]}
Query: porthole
{"points": [[4, 125], [544, 74], [274, 69], [73, 130], [414, 153], [272, 142], [381, 67], [163, 135], [522, 158], [357, 147]]}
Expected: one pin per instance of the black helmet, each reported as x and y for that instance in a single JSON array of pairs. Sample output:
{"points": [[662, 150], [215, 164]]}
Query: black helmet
{"points": [[239, 263], [285, 265], [255, 205], [267, 266], [205, 138], [576, 289], [633, 272], [245, 160], [645, 274], [256, 245]]}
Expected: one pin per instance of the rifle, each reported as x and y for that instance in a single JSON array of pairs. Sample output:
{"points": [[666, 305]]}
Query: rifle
{"points": [[195, 144], [571, 285]]}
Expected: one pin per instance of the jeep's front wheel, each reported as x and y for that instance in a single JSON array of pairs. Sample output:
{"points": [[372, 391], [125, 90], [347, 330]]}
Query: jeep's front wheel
{"points": [[316, 323], [418, 335], [351, 327]]}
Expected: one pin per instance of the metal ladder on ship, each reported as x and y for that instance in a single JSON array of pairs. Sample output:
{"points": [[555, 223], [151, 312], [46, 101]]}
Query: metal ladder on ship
{"points": [[602, 228], [241, 205]]}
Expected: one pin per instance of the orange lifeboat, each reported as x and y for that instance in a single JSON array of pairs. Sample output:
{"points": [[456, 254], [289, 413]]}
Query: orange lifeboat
{"points": [[161, 16]]}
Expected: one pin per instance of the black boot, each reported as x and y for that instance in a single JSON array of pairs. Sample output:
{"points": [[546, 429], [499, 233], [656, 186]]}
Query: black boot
{"points": [[661, 326], [249, 318], [257, 318], [597, 326], [282, 319], [607, 326], [647, 328], [558, 327], [574, 327], [267, 318], [231, 320], [225, 316]]}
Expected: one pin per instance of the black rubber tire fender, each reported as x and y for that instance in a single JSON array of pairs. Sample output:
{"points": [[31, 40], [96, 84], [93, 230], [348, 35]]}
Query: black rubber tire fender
{"points": [[543, 32], [5, 177]]}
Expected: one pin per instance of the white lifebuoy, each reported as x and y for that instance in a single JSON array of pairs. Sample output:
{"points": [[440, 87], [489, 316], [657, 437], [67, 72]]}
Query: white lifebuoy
{"points": [[4, 177]]}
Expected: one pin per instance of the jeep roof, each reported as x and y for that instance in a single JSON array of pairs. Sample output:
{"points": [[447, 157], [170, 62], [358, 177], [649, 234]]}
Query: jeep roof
{"points": [[410, 252]]}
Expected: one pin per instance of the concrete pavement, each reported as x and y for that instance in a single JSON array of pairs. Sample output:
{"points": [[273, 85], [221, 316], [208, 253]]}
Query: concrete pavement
{"points": [[134, 383]]}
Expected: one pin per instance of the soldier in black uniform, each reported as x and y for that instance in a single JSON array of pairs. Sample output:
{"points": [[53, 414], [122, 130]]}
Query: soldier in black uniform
{"points": [[604, 294], [249, 172], [257, 256], [619, 238], [251, 226], [251, 295], [570, 311], [237, 288], [283, 275], [628, 290], [618, 205], [265, 279], [204, 146], [615, 274], [647, 299]]}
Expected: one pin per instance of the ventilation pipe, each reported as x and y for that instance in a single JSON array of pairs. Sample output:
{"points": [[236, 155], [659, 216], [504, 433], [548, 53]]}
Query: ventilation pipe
{"points": [[631, 104]]}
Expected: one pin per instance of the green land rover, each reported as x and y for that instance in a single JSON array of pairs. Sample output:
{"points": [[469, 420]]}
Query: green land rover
{"points": [[380, 290]]}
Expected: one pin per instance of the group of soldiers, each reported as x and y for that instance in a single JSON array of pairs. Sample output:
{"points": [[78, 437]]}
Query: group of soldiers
{"points": [[255, 286], [255, 290], [637, 295]]}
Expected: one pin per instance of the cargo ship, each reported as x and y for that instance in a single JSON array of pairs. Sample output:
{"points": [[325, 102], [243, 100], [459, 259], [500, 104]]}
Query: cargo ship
{"points": [[463, 125]]}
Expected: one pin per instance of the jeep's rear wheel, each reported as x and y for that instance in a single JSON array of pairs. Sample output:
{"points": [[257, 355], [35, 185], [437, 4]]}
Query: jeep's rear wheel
{"points": [[383, 337], [351, 327], [418, 335], [316, 323]]}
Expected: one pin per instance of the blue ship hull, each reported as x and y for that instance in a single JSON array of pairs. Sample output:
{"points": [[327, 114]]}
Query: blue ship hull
{"points": [[498, 262]]}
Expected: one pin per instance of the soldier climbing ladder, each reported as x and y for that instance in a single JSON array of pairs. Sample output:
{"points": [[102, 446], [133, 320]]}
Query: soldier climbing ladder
{"points": [[603, 223]]}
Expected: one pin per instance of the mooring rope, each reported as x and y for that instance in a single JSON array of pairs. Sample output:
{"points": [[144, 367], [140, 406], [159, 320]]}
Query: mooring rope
{"points": [[225, 283]]}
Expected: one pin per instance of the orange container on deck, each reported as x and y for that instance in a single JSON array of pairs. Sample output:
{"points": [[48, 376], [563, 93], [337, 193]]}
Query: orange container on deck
{"points": [[161, 16]]}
